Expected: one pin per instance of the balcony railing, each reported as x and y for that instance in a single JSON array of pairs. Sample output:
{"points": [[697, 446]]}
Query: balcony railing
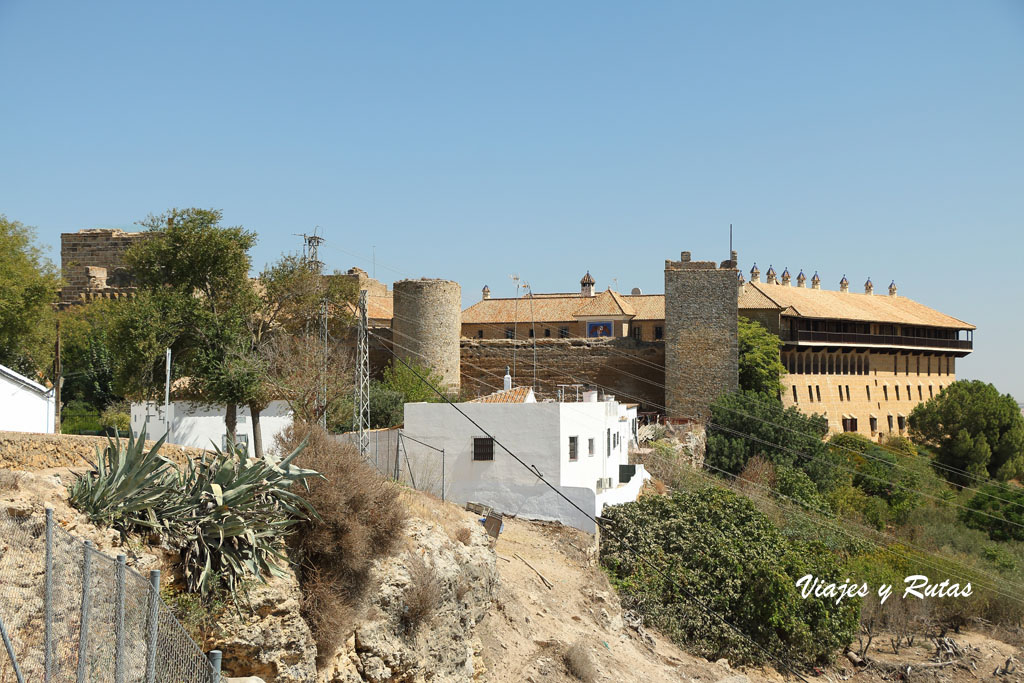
{"points": [[879, 340]]}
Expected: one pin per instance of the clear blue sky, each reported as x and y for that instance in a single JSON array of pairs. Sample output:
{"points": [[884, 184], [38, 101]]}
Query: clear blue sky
{"points": [[471, 140]]}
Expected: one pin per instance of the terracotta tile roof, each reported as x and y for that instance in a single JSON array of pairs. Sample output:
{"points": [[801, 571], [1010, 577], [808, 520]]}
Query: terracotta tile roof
{"points": [[565, 307], [825, 303], [514, 395], [377, 307], [607, 303]]}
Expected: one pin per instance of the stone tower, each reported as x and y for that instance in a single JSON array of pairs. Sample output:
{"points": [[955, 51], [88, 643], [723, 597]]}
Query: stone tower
{"points": [[701, 343], [427, 325], [92, 262]]}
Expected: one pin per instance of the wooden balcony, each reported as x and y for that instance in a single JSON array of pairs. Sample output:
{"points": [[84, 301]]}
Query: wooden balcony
{"points": [[962, 346]]}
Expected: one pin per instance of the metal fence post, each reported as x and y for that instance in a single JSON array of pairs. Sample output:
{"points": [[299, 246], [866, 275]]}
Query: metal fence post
{"points": [[48, 600], [214, 656], [119, 574], [83, 631], [10, 653], [153, 623]]}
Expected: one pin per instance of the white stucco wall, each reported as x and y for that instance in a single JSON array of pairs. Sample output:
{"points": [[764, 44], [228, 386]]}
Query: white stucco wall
{"points": [[25, 406], [195, 424], [539, 434]]}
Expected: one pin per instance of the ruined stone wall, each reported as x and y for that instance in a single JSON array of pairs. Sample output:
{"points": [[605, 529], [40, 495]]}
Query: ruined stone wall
{"points": [[633, 371], [427, 324], [92, 262], [701, 345]]}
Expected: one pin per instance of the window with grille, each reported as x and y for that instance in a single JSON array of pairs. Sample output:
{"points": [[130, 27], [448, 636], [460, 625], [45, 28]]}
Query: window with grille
{"points": [[483, 448], [573, 443]]}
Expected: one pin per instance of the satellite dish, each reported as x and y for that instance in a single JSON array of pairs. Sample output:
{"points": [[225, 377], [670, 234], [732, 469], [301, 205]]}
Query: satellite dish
{"points": [[636, 291]]}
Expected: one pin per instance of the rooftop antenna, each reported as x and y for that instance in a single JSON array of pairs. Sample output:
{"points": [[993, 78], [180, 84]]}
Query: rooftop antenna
{"points": [[730, 238], [515, 325]]}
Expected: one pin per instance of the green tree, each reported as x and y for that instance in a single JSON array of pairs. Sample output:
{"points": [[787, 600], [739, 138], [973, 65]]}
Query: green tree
{"points": [[28, 289], [973, 428], [747, 423], [759, 364], [717, 546], [998, 511], [195, 298], [88, 363]]}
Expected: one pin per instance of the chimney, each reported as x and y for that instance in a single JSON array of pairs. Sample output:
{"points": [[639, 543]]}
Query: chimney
{"points": [[801, 279], [786, 278], [755, 274], [508, 379], [487, 292], [844, 285], [868, 287], [770, 276], [587, 285], [892, 288], [741, 282], [815, 281]]}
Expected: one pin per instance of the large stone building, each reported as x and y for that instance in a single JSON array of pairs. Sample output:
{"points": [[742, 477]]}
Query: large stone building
{"points": [[863, 360]]}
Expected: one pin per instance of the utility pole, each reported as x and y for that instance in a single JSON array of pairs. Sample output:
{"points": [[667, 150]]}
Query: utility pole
{"points": [[167, 394], [515, 327], [362, 402], [57, 381], [311, 257]]}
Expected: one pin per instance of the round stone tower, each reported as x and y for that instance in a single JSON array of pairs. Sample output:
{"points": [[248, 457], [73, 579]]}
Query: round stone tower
{"points": [[427, 325]]}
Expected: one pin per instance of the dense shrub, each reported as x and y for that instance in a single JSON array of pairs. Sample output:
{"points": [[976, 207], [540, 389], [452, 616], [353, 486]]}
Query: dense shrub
{"points": [[422, 595], [795, 485], [78, 417], [745, 424], [893, 479], [579, 663], [360, 519], [715, 544], [997, 510]]}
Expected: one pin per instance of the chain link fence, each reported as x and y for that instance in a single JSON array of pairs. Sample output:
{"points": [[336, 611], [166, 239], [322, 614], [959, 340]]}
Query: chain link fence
{"points": [[70, 613]]}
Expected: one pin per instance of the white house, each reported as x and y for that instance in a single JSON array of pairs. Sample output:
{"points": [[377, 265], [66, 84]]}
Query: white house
{"points": [[25, 406], [200, 425], [582, 448]]}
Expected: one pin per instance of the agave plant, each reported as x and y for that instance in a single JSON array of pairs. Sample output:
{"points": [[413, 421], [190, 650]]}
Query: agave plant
{"points": [[226, 512], [126, 485]]}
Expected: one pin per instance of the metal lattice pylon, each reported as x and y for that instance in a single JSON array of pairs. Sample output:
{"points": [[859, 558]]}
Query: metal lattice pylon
{"points": [[362, 417]]}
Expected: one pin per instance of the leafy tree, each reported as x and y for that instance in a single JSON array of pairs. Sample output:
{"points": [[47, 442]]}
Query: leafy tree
{"points": [[397, 377], [745, 424], [195, 298], [881, 474], [759, 364], [28, 290], [998, 511], [88, 363], [716, 545], [973, 428]]}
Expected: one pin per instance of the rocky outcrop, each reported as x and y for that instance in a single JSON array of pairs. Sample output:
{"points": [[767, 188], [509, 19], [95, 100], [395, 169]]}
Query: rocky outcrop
{"points": [[444, 646], [266, 637]]}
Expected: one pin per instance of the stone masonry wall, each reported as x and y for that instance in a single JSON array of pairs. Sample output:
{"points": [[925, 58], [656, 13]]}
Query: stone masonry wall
{"points": [[426, 326], [701, 343], [633, 371], [86, 254]]}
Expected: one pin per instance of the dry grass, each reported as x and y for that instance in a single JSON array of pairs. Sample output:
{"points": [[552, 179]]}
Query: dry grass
{"points": [[464, 535], [361, 519], [422, 595], [579, 663], [9, 481], [758, 475]]}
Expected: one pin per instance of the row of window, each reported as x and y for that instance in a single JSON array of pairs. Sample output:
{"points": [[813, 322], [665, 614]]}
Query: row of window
{"points": [[850, 423], [636, 331], [483, 447], [847, 364], [814, 393]]}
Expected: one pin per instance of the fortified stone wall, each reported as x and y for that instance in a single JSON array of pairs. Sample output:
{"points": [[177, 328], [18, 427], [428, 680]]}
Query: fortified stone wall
{"points": [[427, 324], [701, 343], [92, 262], [634, 371]]}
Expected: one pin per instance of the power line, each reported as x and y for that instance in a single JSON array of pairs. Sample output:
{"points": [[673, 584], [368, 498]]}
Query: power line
{"points": [[605, 528]]}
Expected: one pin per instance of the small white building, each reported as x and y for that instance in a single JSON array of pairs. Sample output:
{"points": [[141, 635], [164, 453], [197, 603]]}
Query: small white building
{"points": [[25, 406], [202, 425], [582, 448]]}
